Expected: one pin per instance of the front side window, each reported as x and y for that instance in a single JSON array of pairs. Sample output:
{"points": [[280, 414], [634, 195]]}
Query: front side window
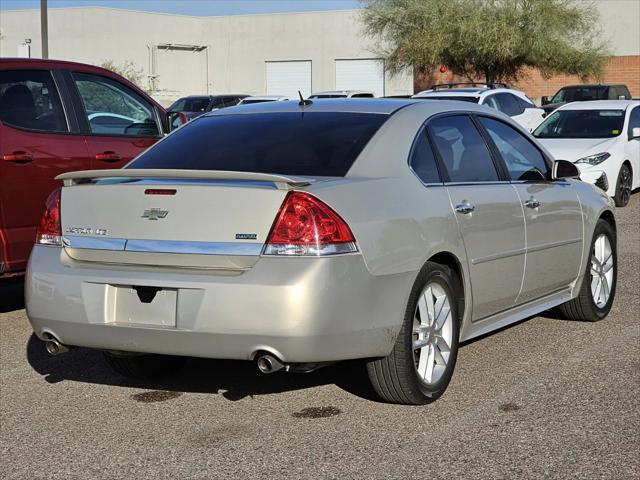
{"points": [[287, 143], [29, 99], [509, 104], [581, 124], [423, 161], [522, 159], [114, 109], [464, 154]]}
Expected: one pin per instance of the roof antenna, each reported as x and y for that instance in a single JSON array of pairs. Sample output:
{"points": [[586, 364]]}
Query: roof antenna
{"points": [[303, 102]]}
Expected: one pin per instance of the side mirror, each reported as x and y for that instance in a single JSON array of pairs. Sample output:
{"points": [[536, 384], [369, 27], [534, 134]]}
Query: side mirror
{"points": [[545, 100], [175, 120], [564, 169], [634, 133]]}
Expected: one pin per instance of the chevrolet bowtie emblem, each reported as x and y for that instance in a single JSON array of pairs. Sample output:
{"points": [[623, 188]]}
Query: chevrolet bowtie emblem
{"points": [[155, 213]]}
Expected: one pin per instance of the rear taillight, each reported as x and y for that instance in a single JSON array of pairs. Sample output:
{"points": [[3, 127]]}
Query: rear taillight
{"points": [[307, 226], [50, 229]]}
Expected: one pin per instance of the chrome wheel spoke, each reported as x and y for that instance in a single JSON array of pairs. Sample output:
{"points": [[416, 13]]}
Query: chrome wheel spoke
{"points": [[602, 271], [428, 376], [420, 343]]}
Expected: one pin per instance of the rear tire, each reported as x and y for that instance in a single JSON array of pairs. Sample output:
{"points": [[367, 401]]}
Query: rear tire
{"points": [[144, 366], [623, 186], [590, 305], [421, 364]]}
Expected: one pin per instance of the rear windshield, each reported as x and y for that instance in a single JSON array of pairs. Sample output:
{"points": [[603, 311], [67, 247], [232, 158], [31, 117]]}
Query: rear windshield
{"points": [[581, 124], [286, 143]]}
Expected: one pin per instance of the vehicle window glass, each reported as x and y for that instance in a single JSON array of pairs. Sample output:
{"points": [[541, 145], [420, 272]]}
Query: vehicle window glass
{"points": [[363, 95], [103, 97], [29, 99], [199, 104], [580, 94], [525, 102], [509, 104], [218, 102], [178, 105], [288, 143], [491, 102], [465, 156], [634, 118], [522, 159], [581, 124], [423, 161]]}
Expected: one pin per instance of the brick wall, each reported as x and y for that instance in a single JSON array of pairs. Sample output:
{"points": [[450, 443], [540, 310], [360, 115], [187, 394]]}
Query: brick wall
{"points": [[624, 69]]}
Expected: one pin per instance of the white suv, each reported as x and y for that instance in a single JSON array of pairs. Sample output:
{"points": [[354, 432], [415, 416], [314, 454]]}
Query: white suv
{"points": [[511, 102]]}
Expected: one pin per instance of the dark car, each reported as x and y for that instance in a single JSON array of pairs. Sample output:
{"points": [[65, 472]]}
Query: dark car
{"points": [[195, 105], [585, 93], [57, 117]]}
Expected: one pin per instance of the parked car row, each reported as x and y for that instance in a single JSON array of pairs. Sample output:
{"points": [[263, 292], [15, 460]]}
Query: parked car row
{"points": [[61, 116]]}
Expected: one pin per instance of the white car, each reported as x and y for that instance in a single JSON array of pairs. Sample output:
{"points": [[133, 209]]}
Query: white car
{"points": [[602, 138], [509, 101], [343, 94], [263, 99]]}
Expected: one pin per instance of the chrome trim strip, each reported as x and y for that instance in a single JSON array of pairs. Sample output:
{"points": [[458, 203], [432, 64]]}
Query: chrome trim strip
{"points": [[94, 243], [163, 246], [521, 251], [498, 256], [197, 248], [546, 246]]}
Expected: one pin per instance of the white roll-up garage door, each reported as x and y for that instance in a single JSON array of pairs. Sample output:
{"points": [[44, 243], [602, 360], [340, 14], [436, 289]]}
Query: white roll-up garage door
{"points": [[286, 78], [360, 75]]}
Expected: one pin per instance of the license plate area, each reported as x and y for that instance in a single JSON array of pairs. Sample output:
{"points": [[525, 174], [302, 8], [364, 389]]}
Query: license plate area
{"points": [[142, 305]]}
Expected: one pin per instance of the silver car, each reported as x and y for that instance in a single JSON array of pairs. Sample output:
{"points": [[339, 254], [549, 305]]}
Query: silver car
{"points": [[299, 234]]}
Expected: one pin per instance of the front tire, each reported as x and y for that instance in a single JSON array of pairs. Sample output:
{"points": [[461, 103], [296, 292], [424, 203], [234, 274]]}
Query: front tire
{"points": [[598, 288], [144, 366], [623, 186], [421, 364]]}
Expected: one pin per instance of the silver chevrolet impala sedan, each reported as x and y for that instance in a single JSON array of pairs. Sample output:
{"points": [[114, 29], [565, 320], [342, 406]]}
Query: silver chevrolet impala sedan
{"points": [[300, 234]]}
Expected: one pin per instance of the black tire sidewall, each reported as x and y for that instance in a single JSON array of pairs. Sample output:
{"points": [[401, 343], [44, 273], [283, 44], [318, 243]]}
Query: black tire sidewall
{"points": [[446, 278]]}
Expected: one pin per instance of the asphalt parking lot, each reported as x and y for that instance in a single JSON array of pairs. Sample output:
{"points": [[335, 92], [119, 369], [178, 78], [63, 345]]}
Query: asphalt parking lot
{"points": [[546, 398]]}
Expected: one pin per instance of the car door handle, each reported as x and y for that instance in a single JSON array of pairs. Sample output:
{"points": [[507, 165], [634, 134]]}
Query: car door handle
{"points": [[18, 157], [108, 156], [532, 203], [465, 208]]}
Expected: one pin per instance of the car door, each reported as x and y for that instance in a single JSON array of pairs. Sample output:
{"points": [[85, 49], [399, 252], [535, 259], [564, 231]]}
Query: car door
{"points": [[39, 139], [632, 149], [119, 123], [552, 213], [488, 211]]}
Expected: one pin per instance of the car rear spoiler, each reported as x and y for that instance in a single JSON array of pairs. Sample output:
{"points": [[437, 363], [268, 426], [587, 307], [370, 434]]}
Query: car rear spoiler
{"points": [[282, 182]]}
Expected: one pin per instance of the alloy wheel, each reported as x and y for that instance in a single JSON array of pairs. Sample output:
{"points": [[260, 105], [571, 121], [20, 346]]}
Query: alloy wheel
{"points": [[602, 271], [432, 333]]}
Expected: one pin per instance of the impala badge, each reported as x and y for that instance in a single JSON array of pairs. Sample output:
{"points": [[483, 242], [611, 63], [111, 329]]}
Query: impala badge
{"points": [[155, 213]]}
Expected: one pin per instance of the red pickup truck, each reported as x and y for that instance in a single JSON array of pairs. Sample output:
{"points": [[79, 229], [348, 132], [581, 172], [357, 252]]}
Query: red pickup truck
{"points": [[58, 116]]}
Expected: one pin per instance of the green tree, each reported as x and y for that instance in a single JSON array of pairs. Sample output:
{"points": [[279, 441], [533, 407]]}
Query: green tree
{"points": [[494, 39]]}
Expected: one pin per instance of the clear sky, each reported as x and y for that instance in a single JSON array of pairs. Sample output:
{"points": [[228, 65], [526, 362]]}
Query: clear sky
{"points": [[195, 7]]}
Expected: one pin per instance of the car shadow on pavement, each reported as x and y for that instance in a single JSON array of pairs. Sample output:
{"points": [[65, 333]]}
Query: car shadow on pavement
{"points": [[11, 294], [234, 380]]}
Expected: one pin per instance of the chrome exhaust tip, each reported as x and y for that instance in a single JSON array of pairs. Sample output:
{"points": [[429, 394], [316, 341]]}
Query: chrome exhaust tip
{"points": [[54, 347], [269, 364]]}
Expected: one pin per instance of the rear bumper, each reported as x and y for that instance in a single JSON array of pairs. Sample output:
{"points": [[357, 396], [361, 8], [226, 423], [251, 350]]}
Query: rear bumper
{"points": [[300, 309]]}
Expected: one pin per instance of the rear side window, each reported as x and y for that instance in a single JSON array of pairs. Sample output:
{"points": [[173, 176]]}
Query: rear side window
{"points": [[509, 104], [464, 154], [29, 99], [287, 143], [423, 161]]}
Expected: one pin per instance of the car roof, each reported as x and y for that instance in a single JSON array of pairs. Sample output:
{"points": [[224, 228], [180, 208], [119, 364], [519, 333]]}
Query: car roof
{"points": [[600, 105], [590, 85], [385, 106]]}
